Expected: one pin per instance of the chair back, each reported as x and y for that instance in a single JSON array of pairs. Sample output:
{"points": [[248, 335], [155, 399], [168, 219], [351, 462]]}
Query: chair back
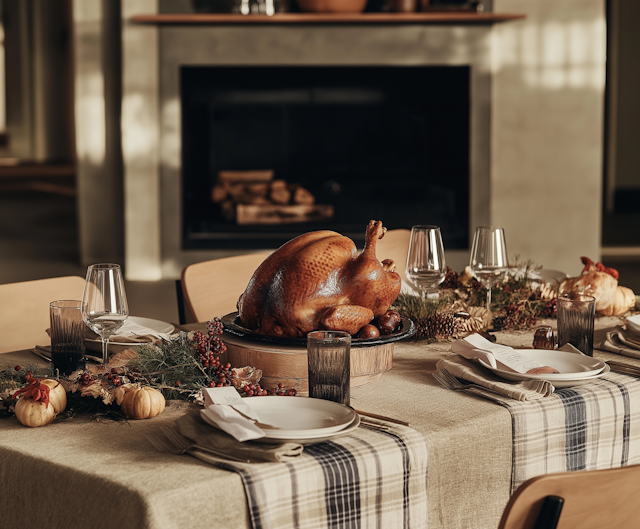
{"points": [[592, 500], [24, 310], [212, 288], [395, 245]]}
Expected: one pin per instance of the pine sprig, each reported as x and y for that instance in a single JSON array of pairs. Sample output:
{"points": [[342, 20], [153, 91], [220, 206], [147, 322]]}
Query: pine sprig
{"points": [[417, 308], [172, 367]]}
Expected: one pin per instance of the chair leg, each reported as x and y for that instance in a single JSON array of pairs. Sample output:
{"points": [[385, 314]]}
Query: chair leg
{"points": [[549, 513], [180, 296]]}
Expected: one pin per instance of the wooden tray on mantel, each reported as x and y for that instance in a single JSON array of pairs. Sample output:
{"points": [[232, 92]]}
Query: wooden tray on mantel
{"points": [[286, 362]]}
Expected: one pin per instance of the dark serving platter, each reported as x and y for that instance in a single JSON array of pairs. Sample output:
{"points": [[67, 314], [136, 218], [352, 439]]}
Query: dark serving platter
{"points": [[233, 325]]}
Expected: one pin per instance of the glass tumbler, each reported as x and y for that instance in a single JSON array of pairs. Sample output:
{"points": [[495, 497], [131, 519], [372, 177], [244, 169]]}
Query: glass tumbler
{"points": [[576, 314], [67, 337], [328, 356], [544, 338]]}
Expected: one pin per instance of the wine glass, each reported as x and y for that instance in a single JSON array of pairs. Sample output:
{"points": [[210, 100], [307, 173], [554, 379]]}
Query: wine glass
{"points": [[425, 267], [488, 262], [104, 303]]}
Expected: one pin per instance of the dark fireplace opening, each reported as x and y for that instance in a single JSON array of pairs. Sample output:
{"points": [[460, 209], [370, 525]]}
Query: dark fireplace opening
{"points": [[374, 142]]}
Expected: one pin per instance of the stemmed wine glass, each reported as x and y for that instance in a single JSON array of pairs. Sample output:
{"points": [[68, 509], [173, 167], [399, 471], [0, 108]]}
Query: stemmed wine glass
{"points": [[104, 303], [488, 262], [425, 267]]}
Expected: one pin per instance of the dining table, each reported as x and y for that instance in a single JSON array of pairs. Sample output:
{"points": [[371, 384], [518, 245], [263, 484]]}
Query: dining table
{"points": [[86, 472]]}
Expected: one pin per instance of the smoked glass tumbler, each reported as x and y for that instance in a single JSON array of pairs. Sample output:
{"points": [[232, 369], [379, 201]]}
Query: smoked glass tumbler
{"points": [[328, 355]]}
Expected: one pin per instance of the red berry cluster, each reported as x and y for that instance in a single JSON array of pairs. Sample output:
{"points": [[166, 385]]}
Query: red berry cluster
{"points": [[114, 377], [86, 379], [23, 375], [209, 347], [281, 391], [254, 390], [135, 376], [221, 375], [550, 310]]}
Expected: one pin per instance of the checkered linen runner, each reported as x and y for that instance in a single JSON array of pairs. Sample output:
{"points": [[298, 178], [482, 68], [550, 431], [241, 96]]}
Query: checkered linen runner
{"points": [[595, 426], [368, 479]]}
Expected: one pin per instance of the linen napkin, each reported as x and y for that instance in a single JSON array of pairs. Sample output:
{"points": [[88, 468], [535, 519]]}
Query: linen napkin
{"points": [[195, 429], [621, 342], [130, 332], [472, 371], [230, 421]]}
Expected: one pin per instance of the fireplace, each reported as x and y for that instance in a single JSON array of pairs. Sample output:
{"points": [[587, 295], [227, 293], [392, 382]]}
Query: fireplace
{"points": [[388, 143]]}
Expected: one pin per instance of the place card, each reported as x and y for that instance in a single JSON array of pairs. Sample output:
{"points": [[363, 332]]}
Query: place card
{"points": [[228, 396]]}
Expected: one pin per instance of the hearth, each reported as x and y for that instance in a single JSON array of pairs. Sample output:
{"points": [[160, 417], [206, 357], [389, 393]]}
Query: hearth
{"points": [[366, 142]]}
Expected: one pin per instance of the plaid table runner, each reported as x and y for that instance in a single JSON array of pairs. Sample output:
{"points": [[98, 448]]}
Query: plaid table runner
{"points": [[595, 426], [371, 478]]}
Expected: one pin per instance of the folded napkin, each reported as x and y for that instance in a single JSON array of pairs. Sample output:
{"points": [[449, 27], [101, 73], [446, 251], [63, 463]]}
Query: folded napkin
{"points": [[130, 332], [473, 372], [618, 341], [196, 430], [229, 420], [495, 355]]}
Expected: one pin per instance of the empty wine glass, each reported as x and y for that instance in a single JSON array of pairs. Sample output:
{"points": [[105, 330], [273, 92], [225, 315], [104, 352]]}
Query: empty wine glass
{"points": [[425, 267], [488, 262], [104, 303]]}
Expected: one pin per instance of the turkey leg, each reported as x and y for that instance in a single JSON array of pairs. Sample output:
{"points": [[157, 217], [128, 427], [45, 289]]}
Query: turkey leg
{"points": [[349, 318]]}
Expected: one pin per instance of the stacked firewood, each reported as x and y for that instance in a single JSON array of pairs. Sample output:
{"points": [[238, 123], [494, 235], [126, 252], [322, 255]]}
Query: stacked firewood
{"points": [[254, 197]]}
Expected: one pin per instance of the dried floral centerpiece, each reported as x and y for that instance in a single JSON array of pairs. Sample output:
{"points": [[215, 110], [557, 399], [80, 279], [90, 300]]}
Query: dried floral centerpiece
{"points": [[177, 368], [517, 304]]}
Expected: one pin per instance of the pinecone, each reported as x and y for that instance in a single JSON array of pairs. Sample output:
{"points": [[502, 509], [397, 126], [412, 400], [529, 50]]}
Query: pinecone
{"points": [[440, 326]]}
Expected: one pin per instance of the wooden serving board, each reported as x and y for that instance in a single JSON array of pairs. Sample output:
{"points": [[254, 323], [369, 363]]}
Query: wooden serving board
{"points": [[288, 364]]}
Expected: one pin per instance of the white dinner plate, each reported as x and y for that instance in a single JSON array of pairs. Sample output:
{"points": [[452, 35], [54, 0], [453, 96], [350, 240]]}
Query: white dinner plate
{"points": [[311, 439], [572, 366], [301, 417], [154, 325], [558, 383]]}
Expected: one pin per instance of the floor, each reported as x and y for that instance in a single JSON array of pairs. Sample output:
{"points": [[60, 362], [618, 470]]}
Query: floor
{"points": [[38, 239]]}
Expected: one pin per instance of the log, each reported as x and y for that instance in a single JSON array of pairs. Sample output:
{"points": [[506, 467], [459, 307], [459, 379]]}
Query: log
{"points": [[245, 176], [280, 195], [218, 193], [302, 196], [277, 214]]}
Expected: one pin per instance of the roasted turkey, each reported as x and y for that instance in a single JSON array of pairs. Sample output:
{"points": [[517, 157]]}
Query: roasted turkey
{"points": [[319, 281]]}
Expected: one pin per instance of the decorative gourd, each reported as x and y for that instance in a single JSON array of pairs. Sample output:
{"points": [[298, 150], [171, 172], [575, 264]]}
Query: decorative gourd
{"points": [[142, 403], [57, 395], [40, 401], [34, 413]]}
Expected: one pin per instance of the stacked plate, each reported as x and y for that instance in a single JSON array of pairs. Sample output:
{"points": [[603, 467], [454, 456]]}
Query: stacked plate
{"points": [[300, 420], [575, 369], [633, 324]]}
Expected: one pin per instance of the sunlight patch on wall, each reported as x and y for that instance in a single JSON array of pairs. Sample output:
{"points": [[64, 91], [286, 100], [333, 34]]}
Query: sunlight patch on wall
{"points": [[90, 117], [553, 55]]}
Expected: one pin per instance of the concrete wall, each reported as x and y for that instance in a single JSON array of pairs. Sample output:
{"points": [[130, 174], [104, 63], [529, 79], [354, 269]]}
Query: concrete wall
{"points": [[547, 130]]}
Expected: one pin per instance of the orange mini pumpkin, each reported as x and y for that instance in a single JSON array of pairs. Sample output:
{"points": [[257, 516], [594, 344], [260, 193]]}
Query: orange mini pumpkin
{"points": [[142, 403]]}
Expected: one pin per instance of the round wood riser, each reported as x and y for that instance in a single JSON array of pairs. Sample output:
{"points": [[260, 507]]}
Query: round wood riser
{"points": [[289, 364]]}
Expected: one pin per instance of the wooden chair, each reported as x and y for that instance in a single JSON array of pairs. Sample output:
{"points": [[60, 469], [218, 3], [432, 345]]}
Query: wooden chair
{"points": [[24, 310], [582, 499], [395, 245], [212, 288]]}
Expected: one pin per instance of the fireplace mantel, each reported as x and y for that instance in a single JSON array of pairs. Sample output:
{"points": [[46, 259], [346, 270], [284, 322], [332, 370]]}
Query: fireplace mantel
{"points": [[536, 84], [329, 18]]}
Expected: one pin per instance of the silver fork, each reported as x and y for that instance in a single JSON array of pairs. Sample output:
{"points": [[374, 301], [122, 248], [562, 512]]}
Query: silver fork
{"points": [[183, 445], [448, 381]]}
